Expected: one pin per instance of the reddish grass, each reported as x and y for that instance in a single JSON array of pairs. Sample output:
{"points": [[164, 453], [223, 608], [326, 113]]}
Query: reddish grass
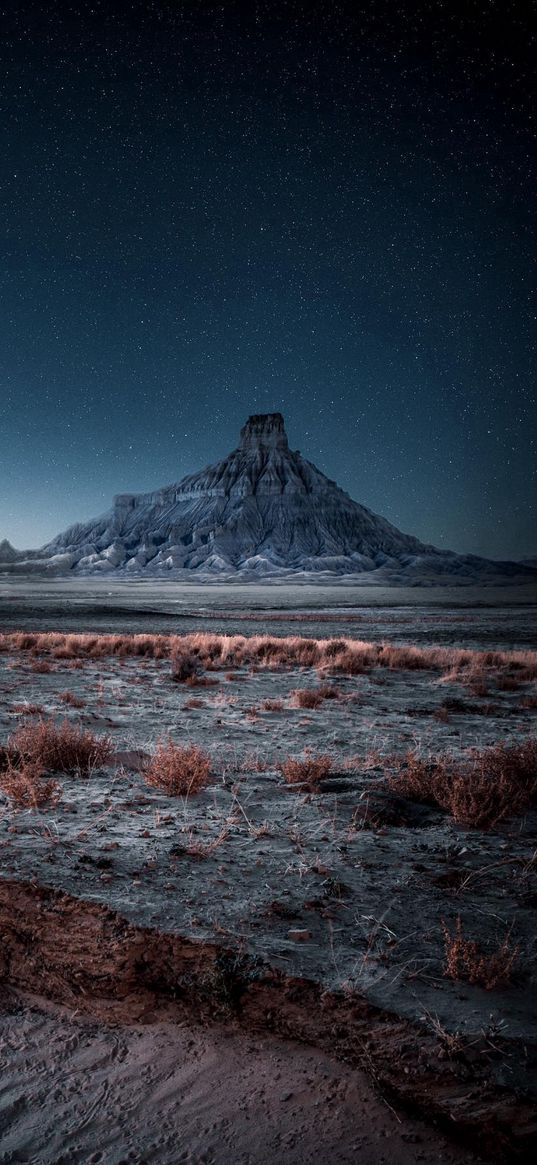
{"points": [[479, 790], [198, 681], [465, 961], [71, 699], [346, 656], [25, 786], [27, 709], [194, 702], [313, 697], [41, 667], [178, 770], [60, 747], [307, 772], [328, 692], [185, 666], [306, 698]]}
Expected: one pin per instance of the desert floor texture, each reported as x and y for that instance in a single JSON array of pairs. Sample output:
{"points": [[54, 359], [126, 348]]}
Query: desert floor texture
{"points": [[336, 961]]}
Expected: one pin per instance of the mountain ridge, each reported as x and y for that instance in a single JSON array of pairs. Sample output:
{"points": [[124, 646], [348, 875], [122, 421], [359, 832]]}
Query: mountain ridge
{"points": [[264, 510]]}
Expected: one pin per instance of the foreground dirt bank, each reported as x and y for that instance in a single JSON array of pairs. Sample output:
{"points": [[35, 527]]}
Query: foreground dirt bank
{"points": [[76, 1091], [93, 961]]}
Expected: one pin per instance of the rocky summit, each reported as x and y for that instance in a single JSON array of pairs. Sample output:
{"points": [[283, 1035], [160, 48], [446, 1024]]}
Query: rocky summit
{"points": [[262, 511]]}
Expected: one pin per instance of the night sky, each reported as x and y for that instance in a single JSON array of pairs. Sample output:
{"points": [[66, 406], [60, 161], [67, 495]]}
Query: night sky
{"points": [[210, 210]]}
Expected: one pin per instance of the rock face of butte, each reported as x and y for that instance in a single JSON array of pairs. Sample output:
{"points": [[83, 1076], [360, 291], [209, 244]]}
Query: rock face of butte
{"points": [[263, 510]]}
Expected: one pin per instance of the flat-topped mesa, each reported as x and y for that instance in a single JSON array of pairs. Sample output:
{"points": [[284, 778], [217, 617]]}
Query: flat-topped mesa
{"points": [[262, 510], [264, 430]]}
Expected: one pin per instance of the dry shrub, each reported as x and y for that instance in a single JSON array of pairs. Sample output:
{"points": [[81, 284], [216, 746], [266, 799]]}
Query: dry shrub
{"points": [[40, 667], [467, 962], [178, 769], [272, 705], [334, 647], [25, 786], [71, 699], [306, 698], [27, 709], [478, 790], [353, 661], [61, 748], [308, 771], [185, 666], [328, 692], [199, 681]]}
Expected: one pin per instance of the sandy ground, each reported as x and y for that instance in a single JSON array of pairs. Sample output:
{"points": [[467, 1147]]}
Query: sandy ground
{"points": [[75, 1092], [245, 864]]}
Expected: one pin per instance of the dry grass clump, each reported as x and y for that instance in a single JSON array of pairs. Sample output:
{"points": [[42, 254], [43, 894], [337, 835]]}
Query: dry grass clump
{"points": [[353, 660], [178, 769], [479, 790], [308, 771], [60, 748], [200, 681], [313, 697], [27, 709], [71, 699], [185, 666], [328, 692], [26, 787], [40, 667], [306, 698], [271, 705], [465, 961]]}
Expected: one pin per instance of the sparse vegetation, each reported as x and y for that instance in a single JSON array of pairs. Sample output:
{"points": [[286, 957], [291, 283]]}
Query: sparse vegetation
{"points": [[306, 698], [22, 709], [185, 666], [178, 769], [60, 748], [307, 771], [192, 653], [26, 786], [467, 962], [479, 790], [72, 700]]}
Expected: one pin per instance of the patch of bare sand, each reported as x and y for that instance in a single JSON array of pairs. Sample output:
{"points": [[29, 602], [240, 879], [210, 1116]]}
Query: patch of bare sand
{"points": [[77, 1092]]}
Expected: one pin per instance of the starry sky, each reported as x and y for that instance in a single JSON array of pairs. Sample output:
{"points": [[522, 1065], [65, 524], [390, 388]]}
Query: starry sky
{"points": [[214, 209]]}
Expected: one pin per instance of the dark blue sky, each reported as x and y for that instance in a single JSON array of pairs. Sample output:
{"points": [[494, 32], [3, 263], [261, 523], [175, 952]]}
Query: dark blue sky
{"points": [[319, 208]]}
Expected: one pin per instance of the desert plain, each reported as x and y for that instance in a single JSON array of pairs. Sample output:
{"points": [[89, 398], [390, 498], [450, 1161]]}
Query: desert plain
{"points": [[268, 877]]}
